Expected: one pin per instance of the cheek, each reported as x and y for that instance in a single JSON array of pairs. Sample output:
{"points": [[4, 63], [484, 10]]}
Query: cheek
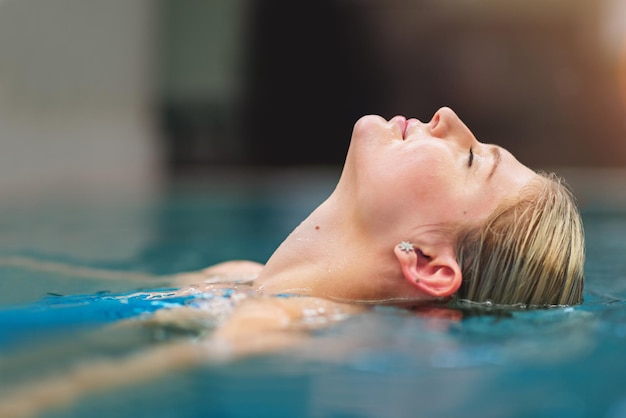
{"points": [[478, 205], [418, 176], [435, 179], [427, 191]]}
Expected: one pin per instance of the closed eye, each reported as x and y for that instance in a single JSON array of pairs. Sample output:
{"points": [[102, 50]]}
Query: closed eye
{"points": [[471, 157]]}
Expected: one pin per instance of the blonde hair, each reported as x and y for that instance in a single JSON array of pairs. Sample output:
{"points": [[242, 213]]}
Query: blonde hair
{"points": [[530, 251]]}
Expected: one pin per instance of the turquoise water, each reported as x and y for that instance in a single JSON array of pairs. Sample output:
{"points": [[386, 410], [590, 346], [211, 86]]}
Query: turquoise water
{"points": [[386, 363]]}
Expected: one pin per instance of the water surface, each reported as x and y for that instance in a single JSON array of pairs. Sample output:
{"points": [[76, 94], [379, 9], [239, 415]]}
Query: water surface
{"points": [[386, 363]]}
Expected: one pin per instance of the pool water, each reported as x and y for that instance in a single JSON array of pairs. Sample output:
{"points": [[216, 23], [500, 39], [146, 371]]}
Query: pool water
{"points": [[386, 363]]}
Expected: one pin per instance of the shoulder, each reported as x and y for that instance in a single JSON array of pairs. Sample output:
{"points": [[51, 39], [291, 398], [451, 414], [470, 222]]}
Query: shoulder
{"points": [[234, 266], [292, 312], [227, 271], [295, 315]]}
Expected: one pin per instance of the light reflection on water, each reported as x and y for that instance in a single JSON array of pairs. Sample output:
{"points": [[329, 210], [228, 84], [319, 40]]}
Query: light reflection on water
{"points": [[389, 362]]}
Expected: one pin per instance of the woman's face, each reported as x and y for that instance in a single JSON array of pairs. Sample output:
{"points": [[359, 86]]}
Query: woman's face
{"points": [[409, 174]]}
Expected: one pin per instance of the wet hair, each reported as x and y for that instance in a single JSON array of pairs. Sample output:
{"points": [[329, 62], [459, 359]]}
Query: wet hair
{"points": [[529, 252]]}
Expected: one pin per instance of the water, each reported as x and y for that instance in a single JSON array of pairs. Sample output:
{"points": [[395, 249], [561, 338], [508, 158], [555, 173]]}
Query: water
{"points": [[385, 363]]}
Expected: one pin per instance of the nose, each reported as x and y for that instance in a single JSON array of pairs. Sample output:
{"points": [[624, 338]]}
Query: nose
{"points": [[445, 124]]}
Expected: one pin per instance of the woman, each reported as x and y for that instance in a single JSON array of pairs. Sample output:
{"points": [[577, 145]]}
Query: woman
{"points": [[422, 213]]}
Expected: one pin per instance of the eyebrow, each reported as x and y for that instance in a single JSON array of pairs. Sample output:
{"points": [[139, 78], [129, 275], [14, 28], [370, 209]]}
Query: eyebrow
{"points": [[497, 156]]}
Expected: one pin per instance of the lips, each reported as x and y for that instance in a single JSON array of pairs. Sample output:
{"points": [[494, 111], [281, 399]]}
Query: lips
{"points": [[410, 123], [405, 125], [401, 123]]}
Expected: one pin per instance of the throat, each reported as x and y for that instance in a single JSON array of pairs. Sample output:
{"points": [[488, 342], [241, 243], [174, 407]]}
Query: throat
{"points": [[311, 260]]}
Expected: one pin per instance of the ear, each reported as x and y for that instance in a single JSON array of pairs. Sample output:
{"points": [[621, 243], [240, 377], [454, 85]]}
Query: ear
{"points": [[437, 274]]}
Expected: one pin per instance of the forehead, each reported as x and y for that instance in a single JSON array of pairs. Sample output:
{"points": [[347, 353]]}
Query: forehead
{"points": [[502, 180], [511, 172]]}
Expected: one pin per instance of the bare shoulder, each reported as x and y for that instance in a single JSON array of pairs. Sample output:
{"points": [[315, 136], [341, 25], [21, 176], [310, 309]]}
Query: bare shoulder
{"points": [[270, 323], [307, 307], [234, 266], [227, 271], [286, 313]]}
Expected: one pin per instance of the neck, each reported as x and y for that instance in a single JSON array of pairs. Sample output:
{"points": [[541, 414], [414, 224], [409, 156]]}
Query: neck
{"points": [[328, 256], [306, 263]]}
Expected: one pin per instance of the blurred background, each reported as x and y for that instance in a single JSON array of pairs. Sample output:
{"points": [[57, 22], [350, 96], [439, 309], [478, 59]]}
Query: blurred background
{"points": [[161, 136], [97, 92], [102, 98]]}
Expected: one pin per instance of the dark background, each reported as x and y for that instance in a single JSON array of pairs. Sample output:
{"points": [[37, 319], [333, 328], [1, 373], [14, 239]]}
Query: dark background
{"points": [[538, 77], [121, 97]]}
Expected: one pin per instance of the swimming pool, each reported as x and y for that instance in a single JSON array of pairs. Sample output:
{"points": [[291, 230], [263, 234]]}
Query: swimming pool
{"points": [[386, 363]]}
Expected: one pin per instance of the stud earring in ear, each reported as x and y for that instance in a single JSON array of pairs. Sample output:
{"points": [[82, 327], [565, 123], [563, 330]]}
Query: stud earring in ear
{"points": [[406, 246]]}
